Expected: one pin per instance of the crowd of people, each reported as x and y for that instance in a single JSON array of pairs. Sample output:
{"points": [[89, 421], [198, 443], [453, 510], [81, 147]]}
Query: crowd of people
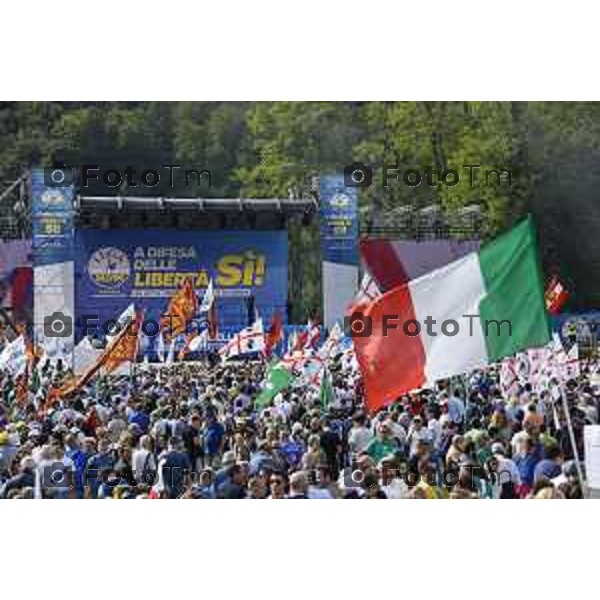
{"points": [[193, 430]]}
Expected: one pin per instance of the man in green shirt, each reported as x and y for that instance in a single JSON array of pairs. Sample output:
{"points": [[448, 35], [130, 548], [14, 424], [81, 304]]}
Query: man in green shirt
{"points": [[383, 444]]}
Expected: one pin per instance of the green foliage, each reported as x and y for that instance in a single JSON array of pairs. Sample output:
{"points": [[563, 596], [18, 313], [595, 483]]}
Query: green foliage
{"points": [[274, 149]]}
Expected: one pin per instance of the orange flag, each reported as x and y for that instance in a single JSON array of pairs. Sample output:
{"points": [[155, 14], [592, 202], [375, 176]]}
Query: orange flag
{"points": [[183, 305], [123, 348], [212, 330]]}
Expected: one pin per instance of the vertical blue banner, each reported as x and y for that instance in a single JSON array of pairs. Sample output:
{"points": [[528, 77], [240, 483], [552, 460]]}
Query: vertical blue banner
{"points": [[339, 246], [52, 221], [53, 242], [339, 220]]}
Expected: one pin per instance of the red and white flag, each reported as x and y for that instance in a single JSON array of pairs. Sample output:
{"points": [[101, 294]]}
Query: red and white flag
{"points": [[250, 339], [314, 334], [367, 292], [556, 295]]}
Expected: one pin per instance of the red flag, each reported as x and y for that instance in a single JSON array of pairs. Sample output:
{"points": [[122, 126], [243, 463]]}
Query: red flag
{"points": [[391, 364], [556, 295], [213, 329], [274, 335], [182, 307]]}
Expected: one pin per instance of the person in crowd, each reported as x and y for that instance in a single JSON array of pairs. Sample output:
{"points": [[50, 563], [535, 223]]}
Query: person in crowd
{"points": [[526, 459], [193, 430]]}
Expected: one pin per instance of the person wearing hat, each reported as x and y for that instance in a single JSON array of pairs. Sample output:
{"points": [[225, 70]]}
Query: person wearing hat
{"points": [[8, 450], [223, 475], [417, 433], [505, 472]]}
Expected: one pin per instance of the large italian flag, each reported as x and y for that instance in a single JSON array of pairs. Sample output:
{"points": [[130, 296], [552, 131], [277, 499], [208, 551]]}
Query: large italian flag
{"points": [[501, 284]]}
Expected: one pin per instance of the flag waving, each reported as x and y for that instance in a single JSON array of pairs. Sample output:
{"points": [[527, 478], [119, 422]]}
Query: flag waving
{"points": [[274, 335], [196, 338], [14, 356], [183, 306], [250, 339], [326, 393], [476, 310], [556, 295], [208, 298], [278, 379], [121, 349]]}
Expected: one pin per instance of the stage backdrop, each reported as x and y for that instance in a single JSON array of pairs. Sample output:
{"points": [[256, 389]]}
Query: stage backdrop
{"points": [[116, 267]]}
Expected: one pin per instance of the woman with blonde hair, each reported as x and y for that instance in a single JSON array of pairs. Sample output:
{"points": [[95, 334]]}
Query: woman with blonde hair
{"points": [[314, 456]]}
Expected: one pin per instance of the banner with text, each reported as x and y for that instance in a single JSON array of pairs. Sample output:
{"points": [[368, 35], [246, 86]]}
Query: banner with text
{"points": [[116, 267], [339, 245]]}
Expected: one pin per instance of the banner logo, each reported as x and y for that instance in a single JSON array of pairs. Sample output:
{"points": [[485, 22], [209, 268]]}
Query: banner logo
{"points": [[109, 267]]}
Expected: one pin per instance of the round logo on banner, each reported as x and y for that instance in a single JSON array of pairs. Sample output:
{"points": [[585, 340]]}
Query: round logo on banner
{"points": [[339, 201], [109, 267], [52, 197]]}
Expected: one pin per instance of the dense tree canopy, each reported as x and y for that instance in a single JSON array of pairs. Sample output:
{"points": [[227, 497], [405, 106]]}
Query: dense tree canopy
{"points": [[276, 149]]}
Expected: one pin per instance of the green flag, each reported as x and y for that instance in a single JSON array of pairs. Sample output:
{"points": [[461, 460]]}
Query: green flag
{"points": [[326, 393], [34, 381], [278, 379]]}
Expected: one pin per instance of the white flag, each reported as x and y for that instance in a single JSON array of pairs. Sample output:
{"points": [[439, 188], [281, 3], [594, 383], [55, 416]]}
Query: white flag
{"points": [[14, 356], [208, 298], [198, 342], [126, 317], [160, 347], [171, 355], [85, 355], [331, 345]]}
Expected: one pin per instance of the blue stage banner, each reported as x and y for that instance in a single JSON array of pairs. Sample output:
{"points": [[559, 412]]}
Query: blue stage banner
{"points": [[52, 221], [116, 267], [339, 220]]}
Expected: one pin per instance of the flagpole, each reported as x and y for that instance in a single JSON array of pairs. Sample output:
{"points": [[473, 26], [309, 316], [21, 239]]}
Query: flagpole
{"points": [[572, 438]]}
